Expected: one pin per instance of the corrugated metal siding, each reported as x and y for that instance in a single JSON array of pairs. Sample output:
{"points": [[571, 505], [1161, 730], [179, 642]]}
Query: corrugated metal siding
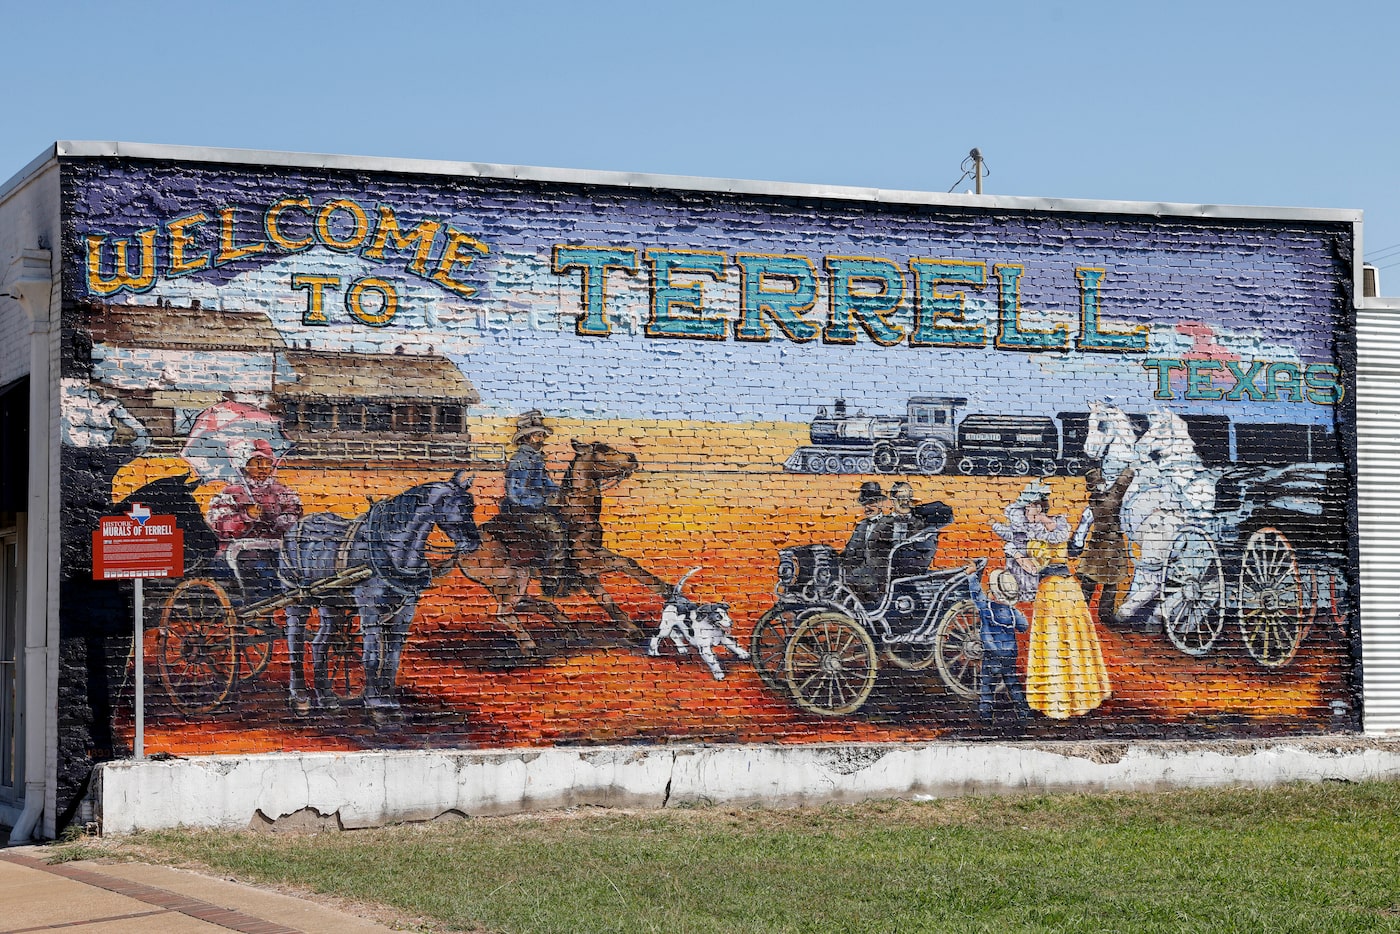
{"points": [[1378, 499]]}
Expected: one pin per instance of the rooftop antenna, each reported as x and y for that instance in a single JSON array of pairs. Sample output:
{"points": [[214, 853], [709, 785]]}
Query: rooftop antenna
{"points": [[977, 169]]}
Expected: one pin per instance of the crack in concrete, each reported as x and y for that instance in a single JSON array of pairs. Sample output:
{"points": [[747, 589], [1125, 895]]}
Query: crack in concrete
{"points": [[624, 776], [670, 777]]}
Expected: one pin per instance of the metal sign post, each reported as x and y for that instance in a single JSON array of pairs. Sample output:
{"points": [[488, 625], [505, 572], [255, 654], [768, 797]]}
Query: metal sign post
{"points": [[139, 643], [133, 547]]}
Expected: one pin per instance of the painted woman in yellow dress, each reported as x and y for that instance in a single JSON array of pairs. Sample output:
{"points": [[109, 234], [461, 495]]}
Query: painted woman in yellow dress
{"points": [[1065, 673]]}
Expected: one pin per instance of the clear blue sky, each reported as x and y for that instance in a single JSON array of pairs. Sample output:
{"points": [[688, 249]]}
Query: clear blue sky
{"points": [[1280, 103]]}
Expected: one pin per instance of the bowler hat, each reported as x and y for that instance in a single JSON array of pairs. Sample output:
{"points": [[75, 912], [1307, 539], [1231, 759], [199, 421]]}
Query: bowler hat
{"points": [[870, 492]]}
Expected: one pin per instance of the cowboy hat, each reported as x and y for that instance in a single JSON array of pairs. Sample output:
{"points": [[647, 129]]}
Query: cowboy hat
{"points": [[531, 423]]}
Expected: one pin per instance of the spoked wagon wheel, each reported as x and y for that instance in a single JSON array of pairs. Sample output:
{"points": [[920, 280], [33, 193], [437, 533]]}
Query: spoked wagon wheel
{"points": [[1271, 599], [830, 664], [197, 649], [254, 648], [958, 648], [769, 642], [1193, 593]]}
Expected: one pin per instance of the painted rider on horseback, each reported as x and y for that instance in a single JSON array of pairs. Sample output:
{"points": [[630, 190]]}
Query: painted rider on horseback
{"points": [[528, 507]]}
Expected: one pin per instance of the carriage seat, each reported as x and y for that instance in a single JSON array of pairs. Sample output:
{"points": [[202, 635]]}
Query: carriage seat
{"points": [[913, 556], [909, 558]]}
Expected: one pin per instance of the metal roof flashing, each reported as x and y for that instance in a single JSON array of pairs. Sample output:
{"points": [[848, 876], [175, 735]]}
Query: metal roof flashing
{"points": [[84, 149]]}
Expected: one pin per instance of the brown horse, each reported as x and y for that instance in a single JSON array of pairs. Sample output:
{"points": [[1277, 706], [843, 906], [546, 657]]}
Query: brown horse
{"points": [[505, 568]]}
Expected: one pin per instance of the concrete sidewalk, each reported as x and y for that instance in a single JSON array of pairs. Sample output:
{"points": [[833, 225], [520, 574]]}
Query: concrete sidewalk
{"points": [[98, 895]]}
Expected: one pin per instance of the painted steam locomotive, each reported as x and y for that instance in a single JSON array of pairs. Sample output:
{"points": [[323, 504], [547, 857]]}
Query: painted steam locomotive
{"points": [[930, 439]]}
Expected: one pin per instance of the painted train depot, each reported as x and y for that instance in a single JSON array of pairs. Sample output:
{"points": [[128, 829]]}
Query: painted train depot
{"points": [[503, 487]]}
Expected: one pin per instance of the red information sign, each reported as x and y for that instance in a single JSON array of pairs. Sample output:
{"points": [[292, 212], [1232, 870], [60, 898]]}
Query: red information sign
{"points": [[137, 544]]}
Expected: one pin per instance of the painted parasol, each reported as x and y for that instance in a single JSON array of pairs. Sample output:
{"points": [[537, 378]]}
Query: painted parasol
{"points": [[225, 435]]}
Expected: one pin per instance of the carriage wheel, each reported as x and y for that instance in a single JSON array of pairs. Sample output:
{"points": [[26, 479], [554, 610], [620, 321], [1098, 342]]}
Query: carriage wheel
{"points": [[197, 648], [967, 466], [345, 667], [254, 650], [830, 664], [1021, 467], [1047, 468], [769, 642], [1270, 598], [1193, 593], [958, 648]]}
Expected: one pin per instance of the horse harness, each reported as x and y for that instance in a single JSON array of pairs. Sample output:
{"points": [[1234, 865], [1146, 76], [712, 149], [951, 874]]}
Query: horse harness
{"points": [[405, 583]]}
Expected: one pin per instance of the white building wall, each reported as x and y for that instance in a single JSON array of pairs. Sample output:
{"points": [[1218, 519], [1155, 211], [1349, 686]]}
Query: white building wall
{"points": [[28, 220], [1378, 501], [30, 227]]}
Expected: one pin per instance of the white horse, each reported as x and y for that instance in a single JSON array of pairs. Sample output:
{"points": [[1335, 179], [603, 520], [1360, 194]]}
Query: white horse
{"points": [[1171, 487]]}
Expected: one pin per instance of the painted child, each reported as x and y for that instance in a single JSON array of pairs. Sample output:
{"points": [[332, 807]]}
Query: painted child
{"points": [[1000, 623]]}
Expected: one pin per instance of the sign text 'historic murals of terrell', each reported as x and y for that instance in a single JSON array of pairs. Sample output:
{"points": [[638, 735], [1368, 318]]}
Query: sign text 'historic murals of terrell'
{"points": [[137, 545], [489, 463]]}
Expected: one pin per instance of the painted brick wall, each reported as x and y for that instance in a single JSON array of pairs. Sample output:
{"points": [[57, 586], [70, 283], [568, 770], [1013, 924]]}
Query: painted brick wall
{"points": [[493, 463]]}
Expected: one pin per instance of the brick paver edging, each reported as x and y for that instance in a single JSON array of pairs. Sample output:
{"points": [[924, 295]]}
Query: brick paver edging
{"points": [[161, 898]]}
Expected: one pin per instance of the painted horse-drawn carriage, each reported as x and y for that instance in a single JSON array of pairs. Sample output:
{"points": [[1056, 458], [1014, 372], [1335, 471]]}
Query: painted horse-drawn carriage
{"points": [[821, 642], [1265, 545], [216, 628], [1272, 557], [209, 640], [363, 576]]}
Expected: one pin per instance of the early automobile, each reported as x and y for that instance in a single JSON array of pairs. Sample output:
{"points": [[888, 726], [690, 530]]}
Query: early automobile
{"points": [[821, 644]]}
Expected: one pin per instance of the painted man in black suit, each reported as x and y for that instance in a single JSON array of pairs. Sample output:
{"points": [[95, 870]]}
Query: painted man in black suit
{"points": [[863, 558]]}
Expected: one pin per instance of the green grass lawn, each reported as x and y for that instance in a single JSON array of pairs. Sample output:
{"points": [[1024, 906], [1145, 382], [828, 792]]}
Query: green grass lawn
{"points": [[1305, 858]]}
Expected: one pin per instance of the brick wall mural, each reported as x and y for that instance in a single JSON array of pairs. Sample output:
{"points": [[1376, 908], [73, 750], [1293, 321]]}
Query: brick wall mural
{"points": [[490, 463]]}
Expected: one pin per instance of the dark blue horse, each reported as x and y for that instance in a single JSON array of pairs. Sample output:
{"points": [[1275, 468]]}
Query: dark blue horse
{"points": [[391, 540]]}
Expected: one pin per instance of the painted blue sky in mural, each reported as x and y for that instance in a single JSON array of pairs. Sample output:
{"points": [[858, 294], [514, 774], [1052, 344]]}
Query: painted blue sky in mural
{"points": [[1194, 289]]}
